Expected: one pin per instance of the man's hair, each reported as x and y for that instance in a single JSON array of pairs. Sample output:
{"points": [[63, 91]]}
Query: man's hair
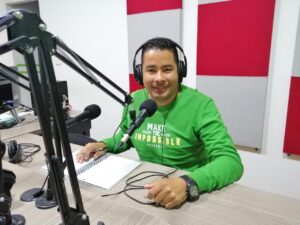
{"points": [[161, 44]]}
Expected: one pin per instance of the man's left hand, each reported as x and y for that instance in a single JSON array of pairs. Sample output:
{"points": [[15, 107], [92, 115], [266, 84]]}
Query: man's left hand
{"points": [[169, 192]]}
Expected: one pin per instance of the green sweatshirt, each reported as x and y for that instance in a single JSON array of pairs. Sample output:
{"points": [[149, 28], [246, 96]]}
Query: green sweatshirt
{"points": [[188, 134]]}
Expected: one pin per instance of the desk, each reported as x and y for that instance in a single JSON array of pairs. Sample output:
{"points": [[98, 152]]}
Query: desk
{"points": [[31, 125], [233, 205], [99, 209]]}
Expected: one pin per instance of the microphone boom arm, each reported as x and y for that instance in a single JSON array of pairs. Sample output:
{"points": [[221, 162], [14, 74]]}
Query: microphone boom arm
{"points": [[8, 73], [89, 69], [27, 32]]}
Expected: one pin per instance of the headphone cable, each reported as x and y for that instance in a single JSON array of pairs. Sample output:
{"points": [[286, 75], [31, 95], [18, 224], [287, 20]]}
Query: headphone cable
{"points": [[130, 187]]}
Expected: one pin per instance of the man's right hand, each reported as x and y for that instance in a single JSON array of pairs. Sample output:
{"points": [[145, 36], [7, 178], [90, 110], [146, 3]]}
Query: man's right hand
{"points": [[91, 150]]}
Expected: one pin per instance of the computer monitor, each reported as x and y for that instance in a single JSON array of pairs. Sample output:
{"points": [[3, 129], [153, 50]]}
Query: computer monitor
{"points": [[9, 91], [5, 91], [6, 94], [62, 88]]}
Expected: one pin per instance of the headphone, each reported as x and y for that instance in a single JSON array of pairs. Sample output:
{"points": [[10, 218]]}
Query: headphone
{"points": [[182, 65], [17, 152], [14, 152]]}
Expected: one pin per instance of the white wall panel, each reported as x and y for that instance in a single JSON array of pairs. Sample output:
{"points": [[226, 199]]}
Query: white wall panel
{"points": [[97, 31], [241, 101], [144, 26]]}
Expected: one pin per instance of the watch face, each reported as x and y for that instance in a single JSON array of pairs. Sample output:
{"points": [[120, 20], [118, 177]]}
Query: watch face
{"points": [[192, 189], [194, 192]]}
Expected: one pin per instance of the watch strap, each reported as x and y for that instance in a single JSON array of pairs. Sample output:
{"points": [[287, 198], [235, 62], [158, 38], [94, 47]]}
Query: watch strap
{"points": [[192, 189]]}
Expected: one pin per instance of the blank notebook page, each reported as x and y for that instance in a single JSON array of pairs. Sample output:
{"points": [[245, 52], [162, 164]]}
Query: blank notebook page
{"points": [[107, 171]]}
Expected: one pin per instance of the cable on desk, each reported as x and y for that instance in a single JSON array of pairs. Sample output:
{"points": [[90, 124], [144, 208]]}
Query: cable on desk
{"points": [[130, 184], [21, 152], [31, 150]]}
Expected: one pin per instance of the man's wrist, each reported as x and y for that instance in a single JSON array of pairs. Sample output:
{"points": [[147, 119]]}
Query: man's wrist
{"points": [[192, 189]]}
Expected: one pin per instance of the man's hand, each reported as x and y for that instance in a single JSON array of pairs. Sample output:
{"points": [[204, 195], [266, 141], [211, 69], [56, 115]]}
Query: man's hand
{"points": [[90, 150], [169, 192]]}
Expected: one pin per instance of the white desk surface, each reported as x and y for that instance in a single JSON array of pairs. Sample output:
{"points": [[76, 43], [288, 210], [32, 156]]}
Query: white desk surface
{"points": [[233, 205], [29, 125]]}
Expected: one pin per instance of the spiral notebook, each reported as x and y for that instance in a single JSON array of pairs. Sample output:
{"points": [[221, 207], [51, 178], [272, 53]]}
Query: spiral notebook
{"points": [[103, 172]]}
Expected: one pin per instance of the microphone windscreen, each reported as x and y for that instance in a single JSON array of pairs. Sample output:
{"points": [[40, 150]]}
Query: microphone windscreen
{"points": [[94, 111], [150, 106]]}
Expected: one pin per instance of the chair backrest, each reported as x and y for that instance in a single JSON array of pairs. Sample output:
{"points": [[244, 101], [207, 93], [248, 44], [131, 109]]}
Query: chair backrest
{"points": [[80, 139]]}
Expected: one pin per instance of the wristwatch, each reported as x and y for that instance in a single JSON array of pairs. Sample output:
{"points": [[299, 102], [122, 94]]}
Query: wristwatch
{"points": [[192, 189]]}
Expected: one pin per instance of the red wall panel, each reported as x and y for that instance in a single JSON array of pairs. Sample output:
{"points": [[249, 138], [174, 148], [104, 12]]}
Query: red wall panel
{"points": [[133, 84], [165, 23], [292, 130], [234, 37], [142, 6]]}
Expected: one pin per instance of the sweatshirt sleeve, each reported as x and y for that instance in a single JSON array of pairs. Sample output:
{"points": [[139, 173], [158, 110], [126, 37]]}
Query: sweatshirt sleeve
{"points": [[223, 165], [113, 142]]}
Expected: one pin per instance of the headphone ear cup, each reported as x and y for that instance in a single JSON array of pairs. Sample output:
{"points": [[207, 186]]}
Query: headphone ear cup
{"points": [[181, 70], [18, 156], [138, 74], [14, 152], [11, 146]]}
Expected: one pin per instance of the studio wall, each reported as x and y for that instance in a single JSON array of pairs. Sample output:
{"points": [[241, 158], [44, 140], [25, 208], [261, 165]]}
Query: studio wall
{"points": [[148, 19], [292, 129], [97, 31], [101, 32], [233, 54]]}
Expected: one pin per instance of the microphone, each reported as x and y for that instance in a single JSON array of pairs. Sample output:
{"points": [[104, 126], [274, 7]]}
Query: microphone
{"points": [[90, 112], [147, 109]]}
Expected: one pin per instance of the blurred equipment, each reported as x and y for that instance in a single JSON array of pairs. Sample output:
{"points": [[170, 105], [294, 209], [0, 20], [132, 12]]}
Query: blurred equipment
{"points": [[7, 179], [62, 88], [7, 120], [5, 94], [26, 33], [13, 115]]}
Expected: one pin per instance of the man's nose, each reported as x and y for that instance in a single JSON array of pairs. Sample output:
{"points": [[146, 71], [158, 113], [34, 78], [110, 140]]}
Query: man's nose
{"points": [[159, 76]]}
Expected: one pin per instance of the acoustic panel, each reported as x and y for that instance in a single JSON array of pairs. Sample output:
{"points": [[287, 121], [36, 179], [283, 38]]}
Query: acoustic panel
{"points": [[234, 38], [148, 19], [142, 6], [292, 137], [241, 102], [142, 27], [134, 85]]}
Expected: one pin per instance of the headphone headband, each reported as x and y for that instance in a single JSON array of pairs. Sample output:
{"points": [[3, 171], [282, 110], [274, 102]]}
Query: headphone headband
{"points": [[182, 65]]}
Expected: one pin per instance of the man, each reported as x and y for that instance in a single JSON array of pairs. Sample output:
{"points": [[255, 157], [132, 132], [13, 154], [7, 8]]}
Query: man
{"points": [[186, 131]]}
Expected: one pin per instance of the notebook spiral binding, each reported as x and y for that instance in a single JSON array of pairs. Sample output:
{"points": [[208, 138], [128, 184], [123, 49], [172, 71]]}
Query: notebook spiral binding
{"points": [[91, 164]]}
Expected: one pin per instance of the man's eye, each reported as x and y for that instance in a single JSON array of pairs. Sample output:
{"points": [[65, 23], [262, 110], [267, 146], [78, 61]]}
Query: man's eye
{"points": [[168, 70], [150, 71]]}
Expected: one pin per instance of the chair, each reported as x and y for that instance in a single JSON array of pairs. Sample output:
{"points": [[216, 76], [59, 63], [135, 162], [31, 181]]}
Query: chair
{"points": [[80, 139]]}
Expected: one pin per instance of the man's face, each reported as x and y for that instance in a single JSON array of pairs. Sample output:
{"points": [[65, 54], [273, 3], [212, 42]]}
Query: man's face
{"points": [[160, 75]]}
